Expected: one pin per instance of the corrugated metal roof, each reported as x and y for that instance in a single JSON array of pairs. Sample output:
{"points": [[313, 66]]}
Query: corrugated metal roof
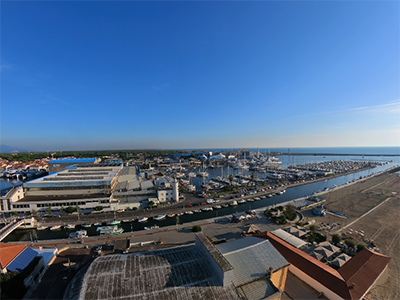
{"points": [[251, 258], [289, 238], [22, 260], [257, 290], [133, 185], [147, 184]]}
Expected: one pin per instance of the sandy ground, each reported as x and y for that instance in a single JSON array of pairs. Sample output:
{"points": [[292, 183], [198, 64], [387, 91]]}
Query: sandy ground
{"points": [[370, 206]]}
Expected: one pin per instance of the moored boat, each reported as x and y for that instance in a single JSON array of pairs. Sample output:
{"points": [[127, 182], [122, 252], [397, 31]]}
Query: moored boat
{"points": [[144, 219], [233, 203], [98, 224], [152, 227], [269, 196], [103, 230], [55, 227], [242, 201], [78, 234], [189, 212], [69, 226], [207, 209], [217, 207], [42, 228], [86, 225], [171, 215], [159, 217], [115, 222]]}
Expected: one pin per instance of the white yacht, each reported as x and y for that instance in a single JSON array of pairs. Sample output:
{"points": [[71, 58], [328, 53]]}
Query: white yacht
{"points": [[159, 217], [144, 219]]}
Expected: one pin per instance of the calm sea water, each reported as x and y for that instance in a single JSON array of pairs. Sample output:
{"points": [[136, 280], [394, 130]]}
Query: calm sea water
{"points": [[321, 150]]}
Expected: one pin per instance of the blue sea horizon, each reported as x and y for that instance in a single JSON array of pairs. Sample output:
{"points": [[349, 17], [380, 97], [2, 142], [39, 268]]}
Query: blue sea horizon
{"points": [[392, 150]]}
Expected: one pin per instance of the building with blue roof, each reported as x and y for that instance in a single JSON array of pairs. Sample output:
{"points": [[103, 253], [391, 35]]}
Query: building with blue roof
{"points": [[58, 165]]}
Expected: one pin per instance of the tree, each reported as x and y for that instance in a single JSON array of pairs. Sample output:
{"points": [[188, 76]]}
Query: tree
{"points": [[48, 210], [196, 228], [350, 242], [290, 208], [230, 177], [268, 213], [69, 210], [27, 213], [62, 209], [98, 208], [336, 238], [252, 176], [360, 247], [313, 228], [13, 213], [34, 212], [77, 208]]}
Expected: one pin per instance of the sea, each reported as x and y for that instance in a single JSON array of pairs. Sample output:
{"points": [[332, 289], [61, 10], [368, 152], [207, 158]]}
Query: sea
{"points": [[319, 150]]}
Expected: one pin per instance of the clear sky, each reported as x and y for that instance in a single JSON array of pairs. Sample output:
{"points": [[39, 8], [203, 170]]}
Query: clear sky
{"points": [[130, 74]]}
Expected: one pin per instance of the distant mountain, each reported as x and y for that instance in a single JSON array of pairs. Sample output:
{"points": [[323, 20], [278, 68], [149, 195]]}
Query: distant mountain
{"points": [[8, 149]]}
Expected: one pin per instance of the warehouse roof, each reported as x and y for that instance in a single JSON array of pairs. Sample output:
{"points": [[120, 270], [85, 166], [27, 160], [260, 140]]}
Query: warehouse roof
{"points": [[73, 160], [174, 273], [251, 258], [290, 238]]}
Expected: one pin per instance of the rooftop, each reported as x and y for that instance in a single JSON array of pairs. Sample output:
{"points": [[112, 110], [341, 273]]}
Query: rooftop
{"points": [[290, 238], [73, 160], [173, 273], [351, 281], [8, 252], [251, 258], [217, 256]]}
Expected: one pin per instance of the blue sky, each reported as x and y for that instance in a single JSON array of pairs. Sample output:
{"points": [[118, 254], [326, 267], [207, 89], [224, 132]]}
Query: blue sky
{"points": [[129, 74]]}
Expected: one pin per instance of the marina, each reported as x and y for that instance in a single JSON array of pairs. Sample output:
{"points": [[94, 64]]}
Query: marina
{"points": [[227, 208]]}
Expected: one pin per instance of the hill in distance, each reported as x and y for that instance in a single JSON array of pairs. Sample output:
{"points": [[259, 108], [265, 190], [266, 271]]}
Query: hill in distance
{"points": [[8, 149]]}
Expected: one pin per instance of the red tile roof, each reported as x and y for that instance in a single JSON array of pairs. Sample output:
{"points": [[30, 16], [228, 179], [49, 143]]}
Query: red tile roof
{"points": [[8, 252], [351, 281], [362, 270]]}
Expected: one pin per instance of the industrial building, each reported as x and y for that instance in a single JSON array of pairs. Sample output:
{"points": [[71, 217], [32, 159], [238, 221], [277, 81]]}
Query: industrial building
{"points": [[249, 268], [87, 185], [58, 165]]}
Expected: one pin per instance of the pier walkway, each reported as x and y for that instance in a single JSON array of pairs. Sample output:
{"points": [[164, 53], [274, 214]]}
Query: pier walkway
{"points": [[6, 230]]}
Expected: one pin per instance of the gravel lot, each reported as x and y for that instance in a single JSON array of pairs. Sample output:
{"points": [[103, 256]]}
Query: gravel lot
{"points": [[372, 206]]}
